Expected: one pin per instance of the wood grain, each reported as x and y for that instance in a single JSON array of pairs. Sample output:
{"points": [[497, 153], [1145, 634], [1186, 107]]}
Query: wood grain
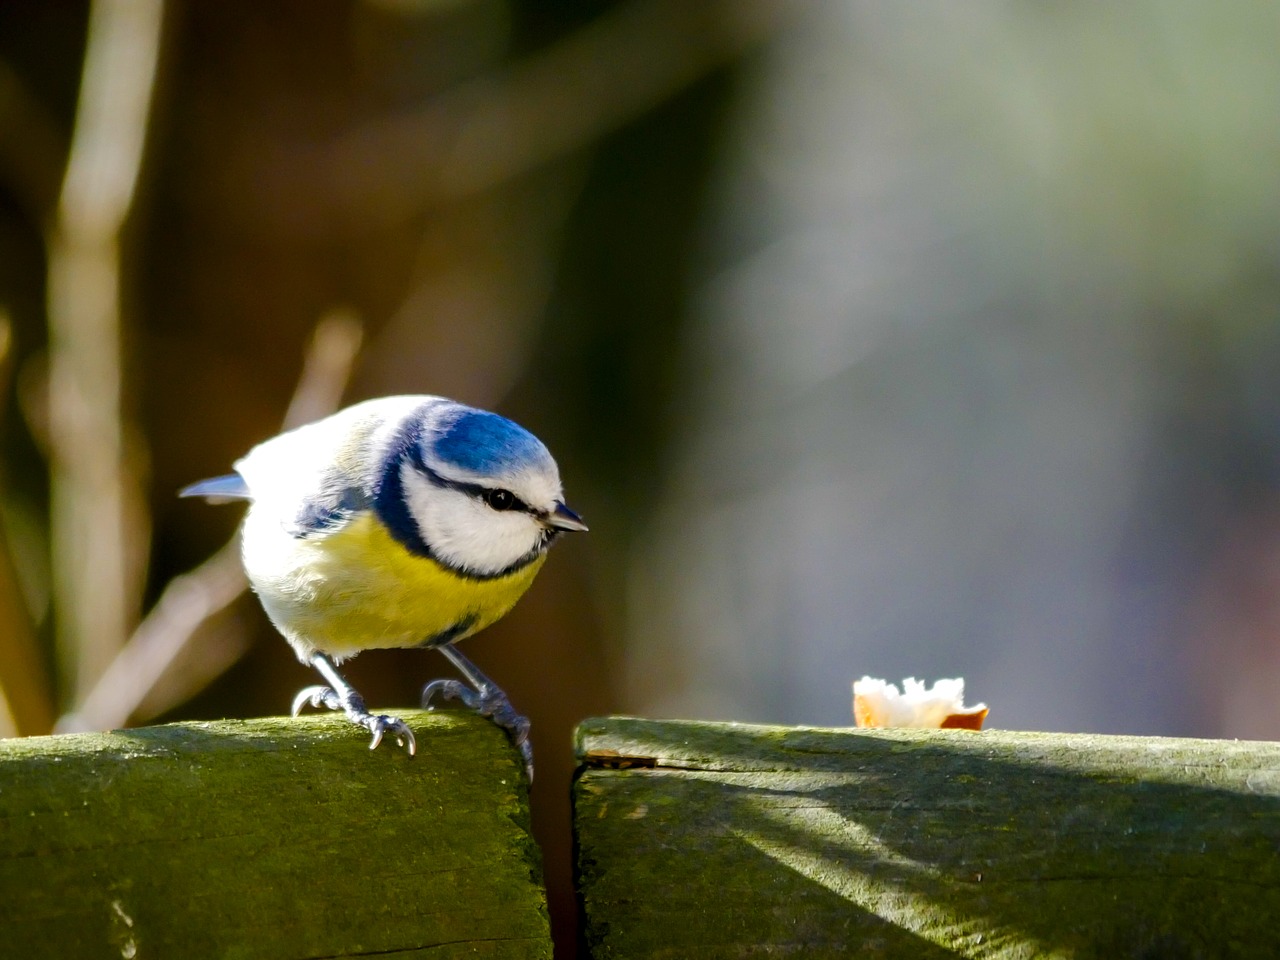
{"points": [[273, 838], [726, 840]]}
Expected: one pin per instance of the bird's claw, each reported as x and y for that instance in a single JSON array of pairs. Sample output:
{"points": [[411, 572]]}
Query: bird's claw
{"points": [[383, 724], [449, 690], [521, 741], [379, 726], [491, 703], [317, 696]]}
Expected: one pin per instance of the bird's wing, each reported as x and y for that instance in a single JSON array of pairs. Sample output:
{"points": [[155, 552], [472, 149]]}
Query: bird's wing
{"points": [[329, 508], [317, 478]]}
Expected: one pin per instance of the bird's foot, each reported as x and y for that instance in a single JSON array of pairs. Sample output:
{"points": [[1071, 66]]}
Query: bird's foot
{"points": [[353, 706], [489, 702]]}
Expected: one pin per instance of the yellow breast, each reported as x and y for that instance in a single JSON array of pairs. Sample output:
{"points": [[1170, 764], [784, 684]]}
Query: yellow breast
{"points": [[358, 589]]}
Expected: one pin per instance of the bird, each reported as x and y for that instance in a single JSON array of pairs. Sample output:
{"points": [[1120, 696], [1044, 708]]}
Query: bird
{"points": [[403, 521]]}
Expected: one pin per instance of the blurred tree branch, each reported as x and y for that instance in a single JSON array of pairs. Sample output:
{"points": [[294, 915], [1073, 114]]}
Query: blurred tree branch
{"points": [[485, 132], [99, 526], [142, 669], [26, 696]]}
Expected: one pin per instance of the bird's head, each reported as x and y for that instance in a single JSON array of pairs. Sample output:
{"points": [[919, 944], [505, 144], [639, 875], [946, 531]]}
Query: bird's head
{"points": [[483, 492]]}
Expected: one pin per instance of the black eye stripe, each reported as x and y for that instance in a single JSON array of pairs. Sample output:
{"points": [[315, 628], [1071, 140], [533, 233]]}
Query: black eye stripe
{"points": [[481, 493]]}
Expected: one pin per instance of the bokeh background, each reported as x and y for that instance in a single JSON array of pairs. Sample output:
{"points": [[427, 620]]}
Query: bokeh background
{"points": [[922, 339]]}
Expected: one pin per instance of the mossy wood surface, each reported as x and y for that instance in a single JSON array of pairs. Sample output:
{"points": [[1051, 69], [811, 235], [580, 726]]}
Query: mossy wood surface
{"points": [[726, 840], [272, 838]]}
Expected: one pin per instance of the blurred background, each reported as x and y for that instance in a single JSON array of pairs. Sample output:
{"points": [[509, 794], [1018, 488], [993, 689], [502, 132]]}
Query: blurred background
{"points": [[894, 339]]}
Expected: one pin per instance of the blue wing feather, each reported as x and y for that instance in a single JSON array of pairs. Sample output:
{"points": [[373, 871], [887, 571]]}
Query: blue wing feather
{"points": [[329, 510]]}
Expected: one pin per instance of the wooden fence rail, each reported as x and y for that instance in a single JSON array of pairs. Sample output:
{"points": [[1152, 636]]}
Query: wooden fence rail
{"points": [[722, 840], [268, 839], [289, 839]]}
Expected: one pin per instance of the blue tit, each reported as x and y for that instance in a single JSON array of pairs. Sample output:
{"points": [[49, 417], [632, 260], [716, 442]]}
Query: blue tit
{"points": [[409, 521]]}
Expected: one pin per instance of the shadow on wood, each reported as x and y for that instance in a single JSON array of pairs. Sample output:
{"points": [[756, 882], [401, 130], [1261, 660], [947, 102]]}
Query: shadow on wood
{"points": [[726, 840], [269, 838]]}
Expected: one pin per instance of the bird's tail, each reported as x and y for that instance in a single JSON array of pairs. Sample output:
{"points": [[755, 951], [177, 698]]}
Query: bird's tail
{"points": [[218, 489]]}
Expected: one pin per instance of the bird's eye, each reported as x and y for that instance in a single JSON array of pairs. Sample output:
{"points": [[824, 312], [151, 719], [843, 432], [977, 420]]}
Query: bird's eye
{"points": [[500, 499]]}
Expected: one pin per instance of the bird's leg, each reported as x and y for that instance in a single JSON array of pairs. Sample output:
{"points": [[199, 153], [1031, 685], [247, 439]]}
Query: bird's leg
{"points": [[340, 695], [485, 698]]}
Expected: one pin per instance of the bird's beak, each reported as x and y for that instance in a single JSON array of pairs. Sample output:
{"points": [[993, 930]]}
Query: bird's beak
{"points": [[562, 518]]}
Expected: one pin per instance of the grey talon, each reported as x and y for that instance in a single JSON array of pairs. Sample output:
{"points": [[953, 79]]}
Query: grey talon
{"points": [[485, 698], [316, 696], [445, 689], [340, 695], [396, 727]]}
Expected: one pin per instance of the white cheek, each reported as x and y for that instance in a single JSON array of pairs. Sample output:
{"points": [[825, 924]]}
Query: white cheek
{"points": [[462, 531]]}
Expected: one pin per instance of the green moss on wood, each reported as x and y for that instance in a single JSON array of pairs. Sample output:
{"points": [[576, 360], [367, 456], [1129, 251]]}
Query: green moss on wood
{"points": [[727, 840], [272, 838]]}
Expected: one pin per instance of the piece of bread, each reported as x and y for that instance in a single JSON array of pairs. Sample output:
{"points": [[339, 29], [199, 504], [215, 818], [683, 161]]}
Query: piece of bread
{"points": [[877, 703]]}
